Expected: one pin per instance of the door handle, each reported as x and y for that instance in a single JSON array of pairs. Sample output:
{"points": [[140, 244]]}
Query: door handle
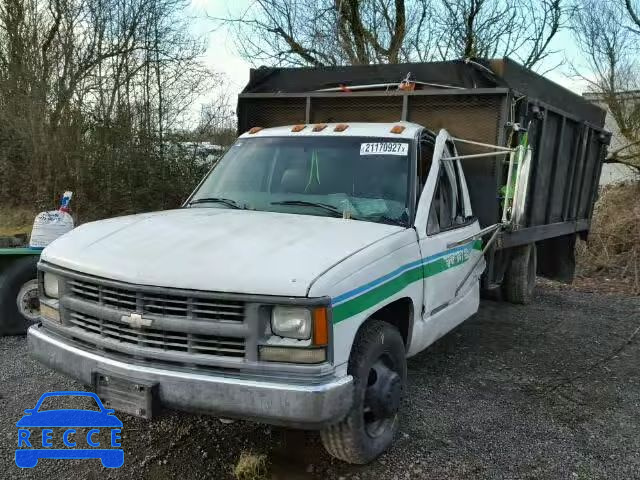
{"points": [[480, 257]]}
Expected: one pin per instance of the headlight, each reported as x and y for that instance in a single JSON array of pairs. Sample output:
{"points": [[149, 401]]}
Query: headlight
{"points": [[291, 322], [51, 285]]}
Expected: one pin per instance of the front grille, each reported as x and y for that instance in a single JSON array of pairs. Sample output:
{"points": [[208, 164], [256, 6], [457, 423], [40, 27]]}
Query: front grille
{"points": [[153, 338], [158, 304], [202, 331]]}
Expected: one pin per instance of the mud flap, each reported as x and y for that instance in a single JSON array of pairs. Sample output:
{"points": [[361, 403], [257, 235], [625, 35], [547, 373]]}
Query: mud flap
{"points": [[557, 258]]}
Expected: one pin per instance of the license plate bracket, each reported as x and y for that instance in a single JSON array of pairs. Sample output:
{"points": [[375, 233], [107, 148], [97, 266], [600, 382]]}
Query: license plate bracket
{"points": [[127, 395]]}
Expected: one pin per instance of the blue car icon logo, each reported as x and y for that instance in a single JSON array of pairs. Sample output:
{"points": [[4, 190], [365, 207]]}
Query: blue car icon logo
{"points": [[69, 433]]}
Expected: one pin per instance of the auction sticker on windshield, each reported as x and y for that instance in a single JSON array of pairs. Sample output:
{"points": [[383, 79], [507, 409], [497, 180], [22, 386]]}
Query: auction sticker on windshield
{"points": [[384, 148]]}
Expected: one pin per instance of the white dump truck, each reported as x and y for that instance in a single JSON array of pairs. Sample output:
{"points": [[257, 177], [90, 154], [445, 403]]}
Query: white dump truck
{"points": [[306, 267]]}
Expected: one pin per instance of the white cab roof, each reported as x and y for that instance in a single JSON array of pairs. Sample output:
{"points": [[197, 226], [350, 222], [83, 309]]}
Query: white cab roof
{"points": [[380, 130]]}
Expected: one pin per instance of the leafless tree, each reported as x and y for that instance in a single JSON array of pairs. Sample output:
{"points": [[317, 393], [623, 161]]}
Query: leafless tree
{"points": [[522, 29], [321, 32], [608, 34], [337, 32], [216, 118], [90, 91]]}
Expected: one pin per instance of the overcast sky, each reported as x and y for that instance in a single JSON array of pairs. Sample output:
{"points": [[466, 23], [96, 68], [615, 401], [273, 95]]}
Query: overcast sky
{"points": [[222, 56]]}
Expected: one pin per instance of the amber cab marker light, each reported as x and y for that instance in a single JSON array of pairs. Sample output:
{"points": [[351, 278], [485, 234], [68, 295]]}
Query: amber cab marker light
{"points": [[319, 127], [253, 130], [341, 128], [398, 129], [298, 128], [320, 326]]}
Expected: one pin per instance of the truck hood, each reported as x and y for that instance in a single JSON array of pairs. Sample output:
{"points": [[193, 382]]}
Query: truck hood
{"points": [[215, 249]]}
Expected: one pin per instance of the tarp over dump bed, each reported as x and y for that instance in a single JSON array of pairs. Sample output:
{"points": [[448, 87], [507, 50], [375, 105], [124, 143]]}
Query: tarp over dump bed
{"points": [[456, 73]]}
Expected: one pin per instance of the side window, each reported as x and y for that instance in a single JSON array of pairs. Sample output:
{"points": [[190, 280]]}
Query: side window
{"points": [[447, 207], [424, 163]]}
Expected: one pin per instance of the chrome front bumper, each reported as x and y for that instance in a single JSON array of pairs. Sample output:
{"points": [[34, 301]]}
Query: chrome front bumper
{"points": [[275, 402]]}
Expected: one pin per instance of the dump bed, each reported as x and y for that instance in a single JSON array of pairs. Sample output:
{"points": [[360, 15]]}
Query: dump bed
{"points": [[477, 101]]}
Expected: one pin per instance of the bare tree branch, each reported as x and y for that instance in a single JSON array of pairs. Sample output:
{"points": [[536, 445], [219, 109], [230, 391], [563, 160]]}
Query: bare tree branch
{"points": [[334, 32], [610, 48], [632, 13]]}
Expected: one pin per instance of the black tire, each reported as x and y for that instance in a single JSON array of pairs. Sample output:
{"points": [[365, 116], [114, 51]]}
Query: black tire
{"points": [[363, 435], [15, 276], [520, 278]]}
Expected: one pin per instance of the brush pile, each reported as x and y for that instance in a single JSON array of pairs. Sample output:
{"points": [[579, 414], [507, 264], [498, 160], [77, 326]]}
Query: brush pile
{"points": [[613, 248]]}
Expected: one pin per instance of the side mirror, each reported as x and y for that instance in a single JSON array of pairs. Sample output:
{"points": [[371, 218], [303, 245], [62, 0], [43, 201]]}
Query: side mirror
{"points": [[29, 411], [109, 411]]}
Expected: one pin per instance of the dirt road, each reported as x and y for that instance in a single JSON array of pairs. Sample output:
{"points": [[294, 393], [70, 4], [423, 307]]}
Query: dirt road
{"points": [[551, 390]]}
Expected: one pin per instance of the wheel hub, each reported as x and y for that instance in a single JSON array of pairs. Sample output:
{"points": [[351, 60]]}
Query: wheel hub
{"points": [[384, 391], [27, 300]]}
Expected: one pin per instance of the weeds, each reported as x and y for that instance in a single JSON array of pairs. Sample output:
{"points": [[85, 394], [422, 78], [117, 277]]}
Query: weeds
{"points": [[251, 467], [613, 248], [16, 221]]}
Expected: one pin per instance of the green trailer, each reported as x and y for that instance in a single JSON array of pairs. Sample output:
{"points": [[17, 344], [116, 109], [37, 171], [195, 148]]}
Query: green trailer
{"points": [[18, 289]]}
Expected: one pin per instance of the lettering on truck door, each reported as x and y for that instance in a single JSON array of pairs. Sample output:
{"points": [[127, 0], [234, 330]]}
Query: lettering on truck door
{"points": [[444, 217]]}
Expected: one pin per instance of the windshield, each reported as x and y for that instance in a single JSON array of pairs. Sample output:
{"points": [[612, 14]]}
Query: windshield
{"points": [[349, 177]]}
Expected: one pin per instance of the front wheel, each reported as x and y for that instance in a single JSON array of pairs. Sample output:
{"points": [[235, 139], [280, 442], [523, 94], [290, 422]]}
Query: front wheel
{"points": [[19, 304], [379, 369]]}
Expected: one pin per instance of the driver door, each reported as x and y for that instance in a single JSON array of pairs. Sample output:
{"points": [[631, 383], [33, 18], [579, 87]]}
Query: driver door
{"points": [[443, 220]]}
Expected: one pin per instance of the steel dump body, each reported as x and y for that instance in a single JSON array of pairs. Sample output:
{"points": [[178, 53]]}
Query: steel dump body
{"points": [[565, 132]]}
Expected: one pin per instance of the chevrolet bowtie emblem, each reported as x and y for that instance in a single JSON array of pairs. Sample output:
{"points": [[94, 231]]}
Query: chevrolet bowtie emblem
{"points": [[136, 320]]}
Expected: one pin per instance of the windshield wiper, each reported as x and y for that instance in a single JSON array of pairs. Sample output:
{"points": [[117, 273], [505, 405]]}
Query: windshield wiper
{"points": [[225, 201], [303, 203], [392, 221]]}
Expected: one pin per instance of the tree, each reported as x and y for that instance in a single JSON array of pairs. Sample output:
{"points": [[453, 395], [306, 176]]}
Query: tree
{"points": [[522, 29], [354, 32], [89, 93], [608, 34]]}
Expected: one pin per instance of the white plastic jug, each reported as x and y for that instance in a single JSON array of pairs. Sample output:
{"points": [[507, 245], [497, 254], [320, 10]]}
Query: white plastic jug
{"points": [[50, 225]]}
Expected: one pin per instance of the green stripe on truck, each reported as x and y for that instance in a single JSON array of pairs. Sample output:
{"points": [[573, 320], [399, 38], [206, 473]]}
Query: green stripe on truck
{"points": [[380, 293]]}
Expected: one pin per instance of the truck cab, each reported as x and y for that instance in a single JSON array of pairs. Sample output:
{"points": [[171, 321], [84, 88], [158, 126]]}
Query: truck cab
{"points": [[290, 288]]}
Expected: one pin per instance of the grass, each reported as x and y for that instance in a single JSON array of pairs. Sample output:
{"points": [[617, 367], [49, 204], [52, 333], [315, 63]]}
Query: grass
{"points": [[16, 221], [251, 466], [613, 248]]}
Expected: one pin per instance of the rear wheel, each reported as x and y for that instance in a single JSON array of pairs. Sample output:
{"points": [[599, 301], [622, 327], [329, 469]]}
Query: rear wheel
{"points": [[520, 278], [19, 303], [379, 370]]}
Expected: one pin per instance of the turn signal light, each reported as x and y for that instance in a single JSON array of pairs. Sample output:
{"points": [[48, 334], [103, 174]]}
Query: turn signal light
{"points": [[320, 327], [398, 129], [298, 128], [319, 127], [341, 127], [50, 313], [253, 130]]}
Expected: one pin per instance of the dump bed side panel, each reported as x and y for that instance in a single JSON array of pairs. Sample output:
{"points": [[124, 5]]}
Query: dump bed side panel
{"points": [[565, 168]]}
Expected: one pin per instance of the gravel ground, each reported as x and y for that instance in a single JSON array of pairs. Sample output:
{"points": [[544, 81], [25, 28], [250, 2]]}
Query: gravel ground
{"points": [[551, 390]]}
